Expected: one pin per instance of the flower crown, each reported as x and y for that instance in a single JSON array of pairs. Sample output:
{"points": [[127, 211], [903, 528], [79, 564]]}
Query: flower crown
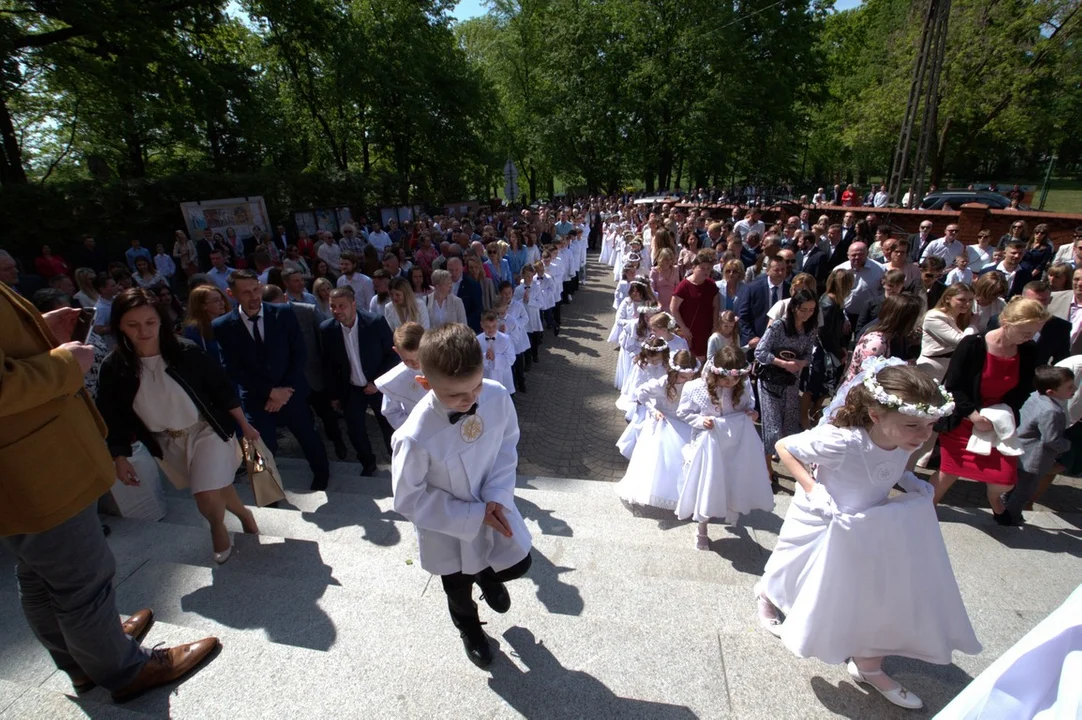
{"points": [[633, 258], [921, 410], [649, 309], [741, 372], [676, 368], [654, 348]]}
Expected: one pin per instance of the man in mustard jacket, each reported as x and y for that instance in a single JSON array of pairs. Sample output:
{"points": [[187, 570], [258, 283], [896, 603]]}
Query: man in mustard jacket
{"points": [[54, 465]]}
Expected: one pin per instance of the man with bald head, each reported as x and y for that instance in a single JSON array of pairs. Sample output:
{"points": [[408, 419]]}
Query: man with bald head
{"points": [[867, 282], [468, 290]]}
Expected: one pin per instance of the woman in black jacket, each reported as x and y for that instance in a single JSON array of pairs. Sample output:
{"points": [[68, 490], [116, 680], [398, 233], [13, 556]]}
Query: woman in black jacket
{"points": [[175, 399], [988, 370]]}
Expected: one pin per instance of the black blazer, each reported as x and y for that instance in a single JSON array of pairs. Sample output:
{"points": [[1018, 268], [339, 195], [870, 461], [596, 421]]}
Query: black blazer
{"points": [[1014, 287], [753, 308], [376, 352], [280, 362], [815, 264], [197, 373], [469, 291], [840, 253], [1053, 342], [963, 379]]}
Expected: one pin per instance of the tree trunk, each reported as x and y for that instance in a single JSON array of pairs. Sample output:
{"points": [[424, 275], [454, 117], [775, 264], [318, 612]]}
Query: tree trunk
{"points": [[940, 155], [531, 177], [12, 171], [133, 142]]}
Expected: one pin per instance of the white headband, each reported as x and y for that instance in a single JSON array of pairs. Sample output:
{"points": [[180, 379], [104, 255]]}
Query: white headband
{"points": [[651, 309], [711, 367], [664, 345], [921, 410], [676, 368]]}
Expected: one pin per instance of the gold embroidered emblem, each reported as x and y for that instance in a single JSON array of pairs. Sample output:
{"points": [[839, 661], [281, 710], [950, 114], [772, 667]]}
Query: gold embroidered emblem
{"points": [[472, 428]]}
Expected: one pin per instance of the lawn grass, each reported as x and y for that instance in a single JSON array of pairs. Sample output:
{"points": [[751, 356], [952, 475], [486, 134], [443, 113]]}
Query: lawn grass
{"points": [[1064, 196]]}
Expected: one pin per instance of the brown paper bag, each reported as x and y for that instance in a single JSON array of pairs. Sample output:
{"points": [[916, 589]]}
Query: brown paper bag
{"points": [[262, 473]]}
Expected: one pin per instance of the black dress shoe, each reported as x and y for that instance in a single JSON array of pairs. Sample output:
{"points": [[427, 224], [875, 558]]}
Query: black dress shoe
{"points": [[340, 450], [1006, 518], [495, 594], [319, 483], [369, 470], [477, 648]]}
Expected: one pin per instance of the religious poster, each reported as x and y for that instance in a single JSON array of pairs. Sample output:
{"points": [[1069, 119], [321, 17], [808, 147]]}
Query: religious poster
{"points": [[239, 214]]}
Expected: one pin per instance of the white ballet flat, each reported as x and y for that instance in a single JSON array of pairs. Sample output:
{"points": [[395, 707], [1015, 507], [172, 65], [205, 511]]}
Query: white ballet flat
{"points": [[899, 695], [221, 557]]}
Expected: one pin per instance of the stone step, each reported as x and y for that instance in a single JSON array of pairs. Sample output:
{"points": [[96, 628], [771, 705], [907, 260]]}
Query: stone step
{"points": [[290, 653], [22, 701], [607, 540]]}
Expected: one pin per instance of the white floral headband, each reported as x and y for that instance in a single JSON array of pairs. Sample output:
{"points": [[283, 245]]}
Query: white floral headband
{"points": [[921, 410], [655, 348], [649, 309], [676, 368], [741, 372], [632, 258]]}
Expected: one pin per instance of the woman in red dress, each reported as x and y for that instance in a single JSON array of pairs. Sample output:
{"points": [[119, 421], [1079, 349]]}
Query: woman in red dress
{"points": [[984, 371], [695, 304], [49, 264]]}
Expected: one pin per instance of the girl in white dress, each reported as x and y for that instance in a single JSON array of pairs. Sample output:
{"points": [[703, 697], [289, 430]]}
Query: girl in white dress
{"points": [[657, 459], [856, 573], [633, 334], [663, 325], [651, 362], [606, 247], [627, 317], [725, 475], [631, 273]]}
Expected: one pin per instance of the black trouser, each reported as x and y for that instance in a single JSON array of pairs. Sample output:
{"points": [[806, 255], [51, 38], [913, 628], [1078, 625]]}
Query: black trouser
{"points": [[459, 589], [354, 405], [518, 371], [321, 405], [566, 292], [536, 338], [556, 322]]}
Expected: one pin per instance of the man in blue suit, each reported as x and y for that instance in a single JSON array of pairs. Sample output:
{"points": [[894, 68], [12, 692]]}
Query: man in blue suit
{"points": [[760, 297], [265, 354], [358, 347], [468, 290]]}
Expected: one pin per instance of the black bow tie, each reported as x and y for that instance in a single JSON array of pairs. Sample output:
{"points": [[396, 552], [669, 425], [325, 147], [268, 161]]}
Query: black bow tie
{"points": [[456, 416], [490, 339]]}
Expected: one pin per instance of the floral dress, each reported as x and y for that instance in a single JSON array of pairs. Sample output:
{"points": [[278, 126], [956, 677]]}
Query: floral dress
{"points": [[780, 405], [873, 344]]}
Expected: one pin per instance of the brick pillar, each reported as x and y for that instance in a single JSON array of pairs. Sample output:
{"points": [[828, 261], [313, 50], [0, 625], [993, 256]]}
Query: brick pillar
{"points": [[970, 221]]}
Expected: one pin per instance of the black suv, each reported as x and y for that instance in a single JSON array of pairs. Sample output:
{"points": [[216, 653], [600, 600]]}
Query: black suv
{"points": [[958, 198]]}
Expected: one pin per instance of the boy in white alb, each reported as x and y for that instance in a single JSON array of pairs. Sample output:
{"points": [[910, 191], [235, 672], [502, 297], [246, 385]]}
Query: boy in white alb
{"points": [[498, 351], [401, 391], [453, 467]]}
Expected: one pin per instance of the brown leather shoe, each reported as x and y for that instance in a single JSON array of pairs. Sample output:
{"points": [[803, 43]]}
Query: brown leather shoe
{"points": [[166, 665], [136, 626]]}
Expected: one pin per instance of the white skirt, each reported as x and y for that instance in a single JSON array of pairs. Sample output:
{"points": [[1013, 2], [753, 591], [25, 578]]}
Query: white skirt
{"points": [[725, 474], [654, 472], [1037, 677], [624, 365], [866, 584], [200, 459], [606, 251], [626, 442]]}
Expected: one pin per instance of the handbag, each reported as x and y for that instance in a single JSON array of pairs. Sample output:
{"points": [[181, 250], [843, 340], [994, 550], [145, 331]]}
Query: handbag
{"points": [[774, 378], [262, 473]]}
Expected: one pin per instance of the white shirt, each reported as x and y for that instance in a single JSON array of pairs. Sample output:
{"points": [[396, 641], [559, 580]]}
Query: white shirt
{"points": [[881, 199], [1075, 316], [745, 227], [220, 277], [943, 248], [353, 352], [332, 254], [979, 258], [250, 325], [363, 289], [165, 265], [264, 277], [1009, 274], [379, 240], [869, 285], [160, 402]]}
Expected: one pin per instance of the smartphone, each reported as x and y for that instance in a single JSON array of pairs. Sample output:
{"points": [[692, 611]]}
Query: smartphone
{"points": [[83, 326]]}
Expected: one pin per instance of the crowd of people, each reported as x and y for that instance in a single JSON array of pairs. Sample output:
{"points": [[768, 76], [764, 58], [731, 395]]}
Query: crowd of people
{"points": [[859, 354], [732, 338]]}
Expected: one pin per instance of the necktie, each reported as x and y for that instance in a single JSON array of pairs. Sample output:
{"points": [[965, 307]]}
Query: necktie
{"points": [[774, 295], [456, 416], [258, 336]]}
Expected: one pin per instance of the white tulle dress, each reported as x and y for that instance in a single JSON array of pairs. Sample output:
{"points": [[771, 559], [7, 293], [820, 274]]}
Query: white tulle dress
{"points": [[725, 472], [606, 249], [657, 461], [635, 410], [856, 572], [637, 376]]}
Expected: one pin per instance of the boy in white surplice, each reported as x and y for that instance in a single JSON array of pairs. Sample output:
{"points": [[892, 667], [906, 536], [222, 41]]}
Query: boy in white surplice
{"points": [[453, 467]]}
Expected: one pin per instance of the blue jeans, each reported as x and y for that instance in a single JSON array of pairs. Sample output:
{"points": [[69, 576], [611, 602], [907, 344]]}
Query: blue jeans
{"points": [[66, 587]]}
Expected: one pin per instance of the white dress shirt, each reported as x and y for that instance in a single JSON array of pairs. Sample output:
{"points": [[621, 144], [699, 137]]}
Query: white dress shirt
{"points": [[353, 352], [363, 289], [745, 227], [943, 248], [332, 254], [220, 277], [868, 285], [379, 240], [979, 258], [250, 325]]}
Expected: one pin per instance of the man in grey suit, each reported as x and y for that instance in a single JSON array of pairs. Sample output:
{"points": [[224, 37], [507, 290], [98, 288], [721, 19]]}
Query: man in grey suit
{"points": [[1067, 304], [309, 318]]}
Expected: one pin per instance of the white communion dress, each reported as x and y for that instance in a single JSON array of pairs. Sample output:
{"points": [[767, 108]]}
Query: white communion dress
{"points": [[859, 573], [725, 472], [657, 457], [637, 376]]}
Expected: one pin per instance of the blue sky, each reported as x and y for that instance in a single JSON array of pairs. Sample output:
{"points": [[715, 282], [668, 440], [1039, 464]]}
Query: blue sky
{"points": [[467, 9]]}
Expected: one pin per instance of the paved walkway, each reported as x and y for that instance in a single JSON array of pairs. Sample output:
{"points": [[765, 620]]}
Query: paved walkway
{"points": [[570, 423]]}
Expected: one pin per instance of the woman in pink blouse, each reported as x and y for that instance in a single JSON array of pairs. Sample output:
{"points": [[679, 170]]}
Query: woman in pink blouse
{"points": [[664, 277]]}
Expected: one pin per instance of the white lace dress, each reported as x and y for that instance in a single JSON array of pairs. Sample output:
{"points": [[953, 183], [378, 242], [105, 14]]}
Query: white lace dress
{"points": [[859, 573], [725, 474]]}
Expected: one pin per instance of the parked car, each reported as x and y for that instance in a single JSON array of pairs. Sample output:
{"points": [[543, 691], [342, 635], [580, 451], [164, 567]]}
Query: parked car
{"points": [[958, 198]]}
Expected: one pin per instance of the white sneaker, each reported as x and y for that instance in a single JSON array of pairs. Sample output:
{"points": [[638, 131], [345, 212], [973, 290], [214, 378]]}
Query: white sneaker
{"points": [[899, 695]]}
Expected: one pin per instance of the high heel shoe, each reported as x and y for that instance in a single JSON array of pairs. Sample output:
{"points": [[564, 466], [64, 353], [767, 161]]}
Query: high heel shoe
{"points": [[765, 609], [899, 695], [221, 557]]}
